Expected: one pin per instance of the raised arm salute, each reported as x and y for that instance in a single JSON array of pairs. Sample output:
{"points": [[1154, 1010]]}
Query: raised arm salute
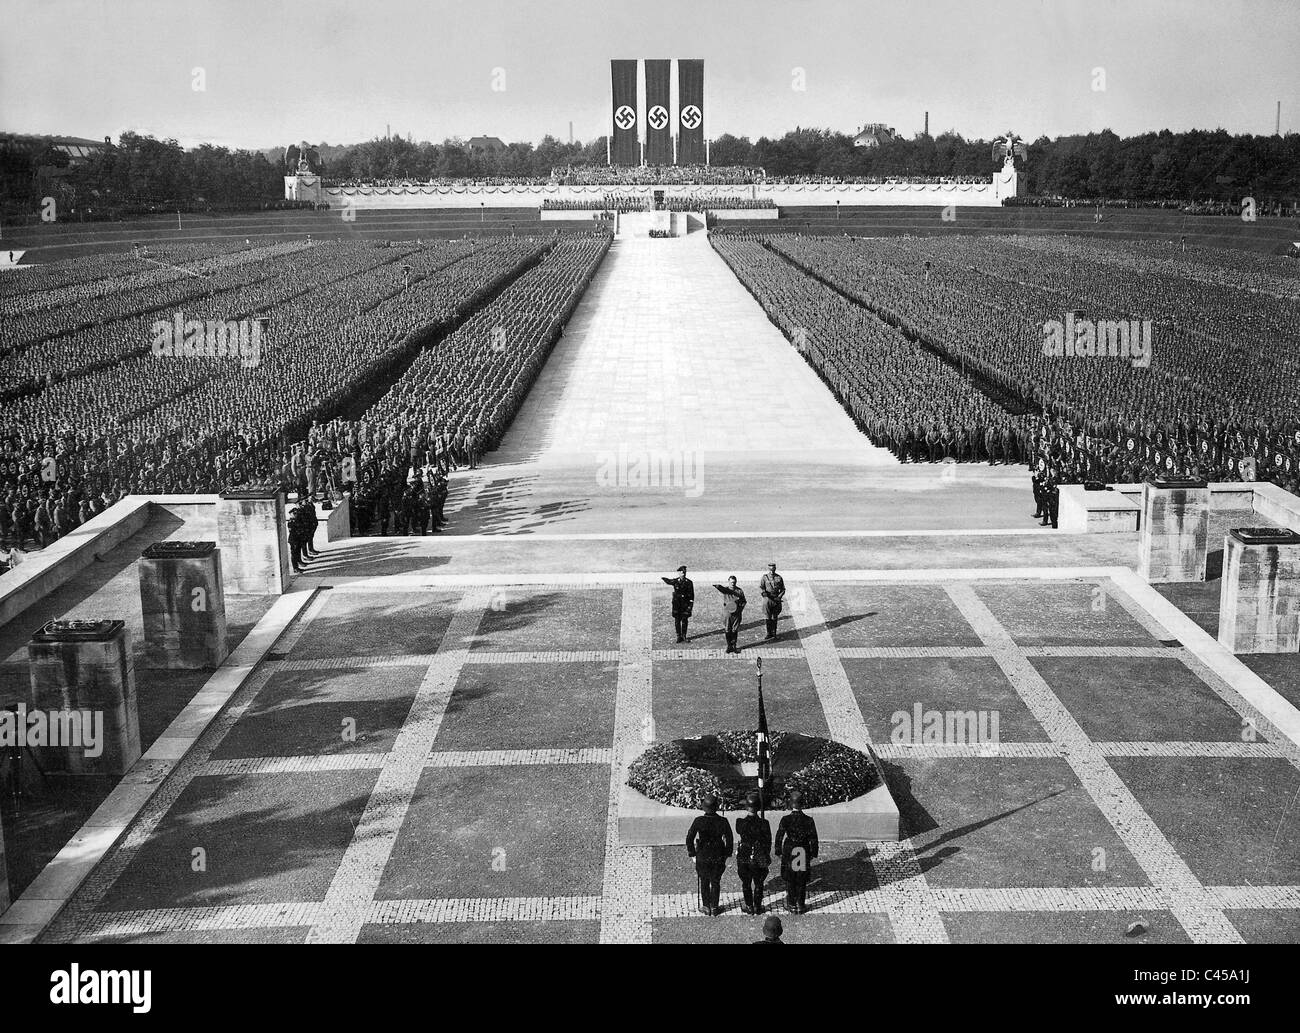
{"points": [[683, 600], [733, 605]]}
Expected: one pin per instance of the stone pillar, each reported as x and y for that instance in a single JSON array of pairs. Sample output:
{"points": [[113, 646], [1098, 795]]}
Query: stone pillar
{"points": [[253, 533], [1174, 538], [184, 606], [1259, 597], [83, 680]]}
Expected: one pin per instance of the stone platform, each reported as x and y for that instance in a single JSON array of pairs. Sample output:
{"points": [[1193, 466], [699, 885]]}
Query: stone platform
{"points": [[872, 817]]}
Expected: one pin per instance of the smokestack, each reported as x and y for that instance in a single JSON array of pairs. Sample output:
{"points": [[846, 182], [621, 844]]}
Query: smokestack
{"points": [[1277, 127], [570, 131], [927, 123]]}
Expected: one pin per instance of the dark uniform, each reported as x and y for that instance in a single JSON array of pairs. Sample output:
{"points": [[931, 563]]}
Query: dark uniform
{"points": [[297, 535], [773, 588], [439, 498], [311, 521], [709, 842], [753, 858], [683, 601], [796, 842], [734, 605], [1052, 495]]}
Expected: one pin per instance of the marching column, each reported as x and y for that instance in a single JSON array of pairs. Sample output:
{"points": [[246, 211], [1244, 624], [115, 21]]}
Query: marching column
{"points": [[183, 602], [1174, 538], [253, 534], [83, 690], [1259, 598]]}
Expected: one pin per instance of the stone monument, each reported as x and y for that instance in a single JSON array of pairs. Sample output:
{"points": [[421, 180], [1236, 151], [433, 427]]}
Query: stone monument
{"points": [[253, 534], [83, 688], [1174, 537], [183, 602], [1259, 597]]}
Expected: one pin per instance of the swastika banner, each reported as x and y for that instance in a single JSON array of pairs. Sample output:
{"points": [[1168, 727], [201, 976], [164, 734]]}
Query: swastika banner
{"points": [[690, 112], [626, 149], [658, 123]]}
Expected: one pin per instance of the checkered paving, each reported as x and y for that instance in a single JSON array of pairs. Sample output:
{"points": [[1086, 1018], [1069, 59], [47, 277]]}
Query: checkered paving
{"points": [[479, 807]]}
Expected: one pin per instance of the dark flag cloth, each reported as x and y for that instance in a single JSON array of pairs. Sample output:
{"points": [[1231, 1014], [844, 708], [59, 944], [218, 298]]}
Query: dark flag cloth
{"points": [[626, 146], [764, 756]]}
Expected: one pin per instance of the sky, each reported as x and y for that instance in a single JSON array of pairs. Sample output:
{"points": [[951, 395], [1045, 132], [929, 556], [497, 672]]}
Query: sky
{"points": [[342, 71]]}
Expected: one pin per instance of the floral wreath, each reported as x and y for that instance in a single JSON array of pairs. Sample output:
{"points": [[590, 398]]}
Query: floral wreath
{"points": [[686, 772]]}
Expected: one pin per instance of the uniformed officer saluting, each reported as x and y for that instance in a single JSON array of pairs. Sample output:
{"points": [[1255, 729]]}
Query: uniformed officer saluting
{"points": [[683, 600], [773, 588], [709, 842], [733, 604], [796, 842], [753, 855]]}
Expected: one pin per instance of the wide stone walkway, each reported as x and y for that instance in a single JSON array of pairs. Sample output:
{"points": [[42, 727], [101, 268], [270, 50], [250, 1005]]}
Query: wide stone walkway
{"points": [[668, 351], [673, 404]]}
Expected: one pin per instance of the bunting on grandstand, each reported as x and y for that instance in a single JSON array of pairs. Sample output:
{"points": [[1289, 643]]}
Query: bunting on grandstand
{"points": [[626, 143], [658, 121], [690, 112]]}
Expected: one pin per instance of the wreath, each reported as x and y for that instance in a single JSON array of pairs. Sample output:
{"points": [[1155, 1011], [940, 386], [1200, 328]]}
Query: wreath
{"points": [[686, 772]]}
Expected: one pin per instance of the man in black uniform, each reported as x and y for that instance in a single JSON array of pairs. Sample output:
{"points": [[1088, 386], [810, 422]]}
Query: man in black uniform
{"points": [[753, 855], [773, 588], [439, 490], [683, 600], [297, 535], [796, 842], [709, 842], [310, 522], [1052, 495], [733, 605]]}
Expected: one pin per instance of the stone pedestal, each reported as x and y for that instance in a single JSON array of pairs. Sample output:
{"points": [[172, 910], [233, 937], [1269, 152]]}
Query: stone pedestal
{"points": [[83, 681], [1096, 512], [1175, 532], [337, 522], [184, 606], [253, 533], [1259, 598]]}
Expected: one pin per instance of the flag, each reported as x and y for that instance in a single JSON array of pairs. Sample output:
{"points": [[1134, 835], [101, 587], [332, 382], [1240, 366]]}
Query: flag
{"points": [[764, 757]]}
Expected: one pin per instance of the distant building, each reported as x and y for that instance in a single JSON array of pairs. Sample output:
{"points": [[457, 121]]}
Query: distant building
{"points": [[78, 150], [485, 144], [873, 135]]}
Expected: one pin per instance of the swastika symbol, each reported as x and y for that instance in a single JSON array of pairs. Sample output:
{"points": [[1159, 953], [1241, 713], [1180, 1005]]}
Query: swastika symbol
{"points": [[691, 117], [624, 117], [657, 117]]}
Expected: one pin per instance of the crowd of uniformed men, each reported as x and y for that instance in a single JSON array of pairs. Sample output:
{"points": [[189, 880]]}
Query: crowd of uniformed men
{"points": [[710, 844]]}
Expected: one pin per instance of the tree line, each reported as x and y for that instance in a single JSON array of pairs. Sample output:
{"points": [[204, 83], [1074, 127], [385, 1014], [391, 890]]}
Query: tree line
{"points": [[1194, 165]]}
